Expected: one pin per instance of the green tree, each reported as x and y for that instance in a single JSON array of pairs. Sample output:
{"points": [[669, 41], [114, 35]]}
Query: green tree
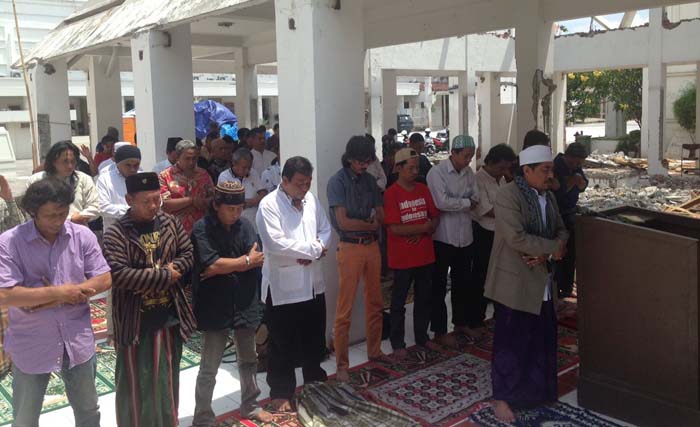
{"points": [[684, 110], [587, 91]]}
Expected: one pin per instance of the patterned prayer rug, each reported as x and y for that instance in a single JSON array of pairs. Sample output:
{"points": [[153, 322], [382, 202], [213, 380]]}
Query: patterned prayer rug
{"points": [[567, 314], [434, 393], [98, 317], [443, 388], [559, 415], [106, 361]]}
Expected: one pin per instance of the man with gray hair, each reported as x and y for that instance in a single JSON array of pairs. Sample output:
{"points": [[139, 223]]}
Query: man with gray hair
{"points": [[186, 188], [240, 171]]}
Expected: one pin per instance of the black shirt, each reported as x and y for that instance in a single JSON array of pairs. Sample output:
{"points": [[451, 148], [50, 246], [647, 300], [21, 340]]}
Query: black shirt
{"points": [[157, 309], [231, 300]]}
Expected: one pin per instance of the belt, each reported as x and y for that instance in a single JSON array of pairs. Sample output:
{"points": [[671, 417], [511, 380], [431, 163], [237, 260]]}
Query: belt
{"points": [[359, 240]]}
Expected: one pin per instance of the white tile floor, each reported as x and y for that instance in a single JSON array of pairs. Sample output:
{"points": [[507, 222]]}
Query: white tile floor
{"points": [[227, 393]]}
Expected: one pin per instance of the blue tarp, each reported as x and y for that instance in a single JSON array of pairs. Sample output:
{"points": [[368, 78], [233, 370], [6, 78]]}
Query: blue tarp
{"points": [[206, 112]]}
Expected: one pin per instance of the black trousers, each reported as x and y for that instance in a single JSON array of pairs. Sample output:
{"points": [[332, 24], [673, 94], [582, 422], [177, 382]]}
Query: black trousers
{"points": [[566, 268], [300, 326], [421, 277], [459, 263], [476, 303]]}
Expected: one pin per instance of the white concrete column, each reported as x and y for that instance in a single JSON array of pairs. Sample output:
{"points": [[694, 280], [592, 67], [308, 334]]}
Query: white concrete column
{"points": [[485, 93], [455, 107], [534, 42], [390, 101], [656, 93], [259, 112], [104, 97], [467, 84], [376, 87], [322, 101], [163, 94], [644, 140], [49, 91], [428, 99], [246, 90], [558, 132]]}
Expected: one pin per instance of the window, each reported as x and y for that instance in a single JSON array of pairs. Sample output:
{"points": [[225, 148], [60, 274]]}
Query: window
{"points": [[406, 105]]}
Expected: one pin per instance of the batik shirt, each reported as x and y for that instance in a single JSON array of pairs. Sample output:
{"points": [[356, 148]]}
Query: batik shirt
{"points": [[174, 184]]}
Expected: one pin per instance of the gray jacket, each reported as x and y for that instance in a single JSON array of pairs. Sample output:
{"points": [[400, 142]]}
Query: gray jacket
{"points": [[510, 281]]}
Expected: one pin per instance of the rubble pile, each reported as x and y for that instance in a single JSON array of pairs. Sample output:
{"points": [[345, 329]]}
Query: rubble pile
{"points": [[652, 197]]}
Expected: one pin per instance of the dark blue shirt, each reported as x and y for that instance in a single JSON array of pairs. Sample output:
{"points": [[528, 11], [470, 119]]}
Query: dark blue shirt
{"points": [[567, 200], [358, 194]]}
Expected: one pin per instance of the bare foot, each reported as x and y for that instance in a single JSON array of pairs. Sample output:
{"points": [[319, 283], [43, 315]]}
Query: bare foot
{"points": [[263, 416], [382, 358], [432, 345], [281, 405], [447, 341], [342, 376], [503, 411], [475, 333], [400, 353]]}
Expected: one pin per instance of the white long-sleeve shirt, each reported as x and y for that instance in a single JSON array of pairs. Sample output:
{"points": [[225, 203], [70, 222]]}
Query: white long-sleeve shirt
{"points": [[111, 193], [85, 200], [453, 193], [376, 170], [289, 234]]}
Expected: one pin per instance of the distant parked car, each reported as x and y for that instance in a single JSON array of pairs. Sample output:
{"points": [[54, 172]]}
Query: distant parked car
{"points": [[404, 122]]}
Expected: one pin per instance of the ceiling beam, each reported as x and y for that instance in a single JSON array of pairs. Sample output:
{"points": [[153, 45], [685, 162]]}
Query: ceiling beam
{"points": [[215, 40]]}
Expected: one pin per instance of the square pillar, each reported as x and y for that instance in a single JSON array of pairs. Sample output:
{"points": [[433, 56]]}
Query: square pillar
{"points": [[655, 95], [487, 94], [163, 93], [467, 89], [558, 132], [320, 61], [104, 97], [246, 103], [376, 88], [390, 101], [49, 91], [456, 123], [428, 99], [534, 42]]}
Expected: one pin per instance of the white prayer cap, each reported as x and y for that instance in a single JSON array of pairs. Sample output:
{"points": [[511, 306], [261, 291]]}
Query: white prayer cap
{"points": [[120, 144], [535, 154]]}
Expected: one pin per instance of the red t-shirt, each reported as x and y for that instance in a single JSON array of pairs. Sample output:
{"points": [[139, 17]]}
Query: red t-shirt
{"points": [[408, 207]]}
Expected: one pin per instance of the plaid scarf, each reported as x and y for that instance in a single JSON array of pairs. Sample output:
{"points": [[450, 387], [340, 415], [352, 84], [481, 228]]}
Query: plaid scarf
{"points": [[533, 222]]}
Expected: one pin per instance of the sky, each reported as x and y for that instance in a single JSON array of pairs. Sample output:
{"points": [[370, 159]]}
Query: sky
{"points": [[583, 25]]}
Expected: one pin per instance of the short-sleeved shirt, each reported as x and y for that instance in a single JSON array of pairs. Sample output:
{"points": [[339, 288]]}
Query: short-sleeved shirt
{"points": [[36, 340], [567, 200], [231, 300], [174, 184], [409, 207], [358, 194]]}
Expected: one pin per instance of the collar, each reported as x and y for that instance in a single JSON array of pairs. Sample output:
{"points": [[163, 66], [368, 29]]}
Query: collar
{"points": [[213, 219], [451, 168], [483, 172], [289, 199], [352, 175], [34, 234]]}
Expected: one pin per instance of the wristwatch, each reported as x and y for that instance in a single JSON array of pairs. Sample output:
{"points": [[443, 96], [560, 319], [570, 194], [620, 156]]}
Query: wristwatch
{"points": [[247, 261]]}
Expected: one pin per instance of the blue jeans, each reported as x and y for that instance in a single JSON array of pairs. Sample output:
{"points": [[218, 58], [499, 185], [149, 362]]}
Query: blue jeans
{"points": [[28, 394]]}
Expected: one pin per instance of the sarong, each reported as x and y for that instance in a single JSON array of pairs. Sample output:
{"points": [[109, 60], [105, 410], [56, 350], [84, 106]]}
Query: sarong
{"points": [[147, 380], [524, 365]]}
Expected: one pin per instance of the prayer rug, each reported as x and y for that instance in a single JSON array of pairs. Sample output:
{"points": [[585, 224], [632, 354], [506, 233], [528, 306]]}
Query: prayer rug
{"points": [[98, 317], [567, 313], [56, 398], [434, 393], [559, 415]]}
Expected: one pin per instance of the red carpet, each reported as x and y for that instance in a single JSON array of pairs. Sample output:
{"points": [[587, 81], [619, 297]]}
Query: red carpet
{"points": [[437, 388]]}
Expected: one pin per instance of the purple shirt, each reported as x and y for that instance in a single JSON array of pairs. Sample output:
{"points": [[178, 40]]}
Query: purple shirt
{"points": [[36, 341]]}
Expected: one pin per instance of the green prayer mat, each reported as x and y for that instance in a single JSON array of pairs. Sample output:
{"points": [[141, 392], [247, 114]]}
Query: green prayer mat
{"points": [[56, 398]]}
